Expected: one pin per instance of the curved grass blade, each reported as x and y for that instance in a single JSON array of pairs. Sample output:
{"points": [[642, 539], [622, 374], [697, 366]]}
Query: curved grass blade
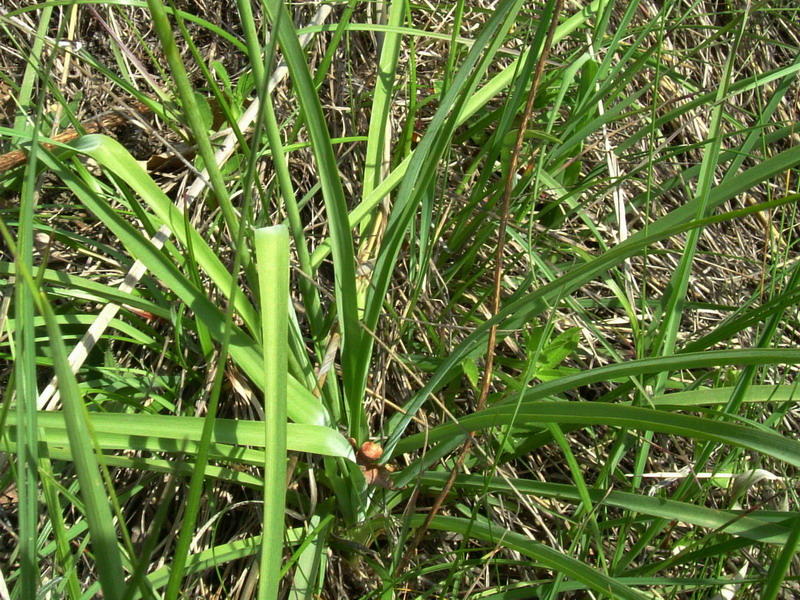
{"points": [[522, 310], [548, 557], [616, 415], [304, 407], [750, 525]]}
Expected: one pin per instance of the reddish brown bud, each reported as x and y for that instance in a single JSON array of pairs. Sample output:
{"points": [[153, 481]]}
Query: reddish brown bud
{"points": [[371, 451]]}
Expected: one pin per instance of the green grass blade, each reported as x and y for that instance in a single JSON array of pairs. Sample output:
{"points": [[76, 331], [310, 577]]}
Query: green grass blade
{"points": [[192, 113], [272, 259], [336, 208], [632, 417], [169, 433], [381, 101], [780, 567], [552, 559], [25, 384], [94, 494], [753, 526], [522, 310]]}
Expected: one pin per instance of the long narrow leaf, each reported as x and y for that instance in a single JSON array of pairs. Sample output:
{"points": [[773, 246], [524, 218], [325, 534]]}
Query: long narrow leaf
{"points": [[591, 413], [272, 260]]}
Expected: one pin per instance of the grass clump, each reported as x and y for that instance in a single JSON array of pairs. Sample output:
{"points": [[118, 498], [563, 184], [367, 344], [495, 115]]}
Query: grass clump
{"points": [[538, 337]]}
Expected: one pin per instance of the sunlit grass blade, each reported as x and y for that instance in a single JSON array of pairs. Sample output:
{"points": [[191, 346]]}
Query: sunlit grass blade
{"points": [[336, 208], [522, 310], [550, 558], [169, 433], [243, 348], [381, 101], [93, 491], [767, 443], [192, 113], [272, 259]]}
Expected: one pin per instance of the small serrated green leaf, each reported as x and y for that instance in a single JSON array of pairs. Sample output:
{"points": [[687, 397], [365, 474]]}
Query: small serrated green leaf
{"points": [[219, 69], [562, 346], [206, 114], [471, 371]]}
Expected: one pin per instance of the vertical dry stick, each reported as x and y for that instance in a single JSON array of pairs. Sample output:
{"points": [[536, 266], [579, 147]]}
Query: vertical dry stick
{"points": [[498, 277]]}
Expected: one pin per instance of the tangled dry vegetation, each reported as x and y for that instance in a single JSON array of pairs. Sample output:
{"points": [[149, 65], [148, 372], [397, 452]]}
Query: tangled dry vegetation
{"points": [[620, 174]]}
